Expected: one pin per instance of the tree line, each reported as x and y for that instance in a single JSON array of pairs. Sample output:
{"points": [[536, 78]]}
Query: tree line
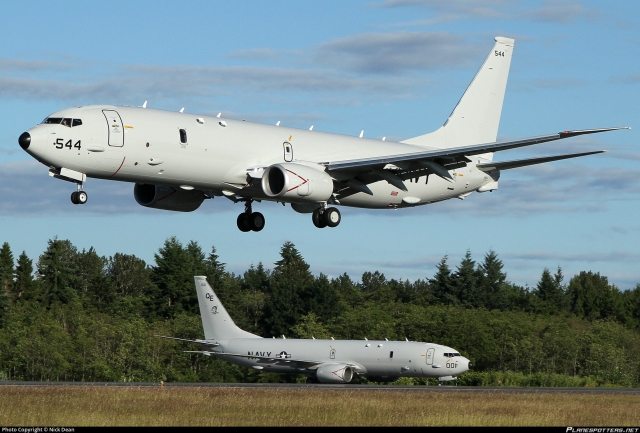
{"points": [[76, 315]]}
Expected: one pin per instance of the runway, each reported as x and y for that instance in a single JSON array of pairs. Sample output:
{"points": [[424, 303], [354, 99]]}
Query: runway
{"points": [[333, 387]]}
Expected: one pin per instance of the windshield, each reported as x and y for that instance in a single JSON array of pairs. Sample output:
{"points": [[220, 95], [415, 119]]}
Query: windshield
{"points": [[68, 122]]}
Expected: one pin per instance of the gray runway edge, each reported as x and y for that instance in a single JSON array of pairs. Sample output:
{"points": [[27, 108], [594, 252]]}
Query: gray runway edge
{"points": [[313, 387]]}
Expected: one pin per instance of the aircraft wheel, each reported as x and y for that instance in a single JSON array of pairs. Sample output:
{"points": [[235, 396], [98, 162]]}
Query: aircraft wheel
{"points": [[243, 223], [81, 197], [332, 217], [256, 221], [74, 197], [318, 220]]}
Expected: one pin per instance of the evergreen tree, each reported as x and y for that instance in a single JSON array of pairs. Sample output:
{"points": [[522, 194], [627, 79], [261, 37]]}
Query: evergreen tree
{"points": [[129, 275], [550, 290], [91, 280], [444, 290], [57, 268], [322, 299], [6, 280], [6, 269], [25, 288], [290, 280], [254, 289], [173, 277], [349, 292], [466, 283], [376, 288], [216, 275], [492, 282]]}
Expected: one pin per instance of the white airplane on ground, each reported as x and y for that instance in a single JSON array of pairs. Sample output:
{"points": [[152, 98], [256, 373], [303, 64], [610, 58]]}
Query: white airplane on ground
{"points": [[325, 361], [178, 160]]}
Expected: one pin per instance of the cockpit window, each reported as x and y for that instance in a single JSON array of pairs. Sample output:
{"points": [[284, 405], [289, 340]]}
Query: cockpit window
{"points": [[68, 122]]}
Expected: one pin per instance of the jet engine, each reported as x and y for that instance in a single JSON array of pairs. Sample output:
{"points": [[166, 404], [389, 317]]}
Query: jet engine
{"points": [[168, 197], [297, 183], [334, 373]]}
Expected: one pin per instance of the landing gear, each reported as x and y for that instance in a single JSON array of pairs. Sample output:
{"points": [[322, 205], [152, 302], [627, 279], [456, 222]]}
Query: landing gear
{"points": [[250, 221], [329, 217], [318, 219], [79, 197]]}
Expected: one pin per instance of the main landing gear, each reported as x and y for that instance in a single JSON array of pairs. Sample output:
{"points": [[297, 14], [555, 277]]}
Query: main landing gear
{"points": [[250, 221], [326, 217], [79, 197]]}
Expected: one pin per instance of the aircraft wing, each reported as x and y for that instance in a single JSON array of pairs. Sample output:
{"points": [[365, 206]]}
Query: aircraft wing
{"points": [[353, 176], [274, 359], [506, 165], [457, 153]]}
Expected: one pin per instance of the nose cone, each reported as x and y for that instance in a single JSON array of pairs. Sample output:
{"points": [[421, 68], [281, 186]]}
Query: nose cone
{"points": [[24, 140]]}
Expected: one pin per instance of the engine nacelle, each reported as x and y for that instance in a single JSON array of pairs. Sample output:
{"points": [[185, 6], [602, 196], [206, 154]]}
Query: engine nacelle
{"points": [[168, 197], [297, 183], [334, 373]]}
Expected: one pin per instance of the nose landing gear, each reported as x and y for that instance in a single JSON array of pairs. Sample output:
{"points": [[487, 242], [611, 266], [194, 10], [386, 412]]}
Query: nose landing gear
{"points": [[79, 197], [326, 217], [250, 221]]}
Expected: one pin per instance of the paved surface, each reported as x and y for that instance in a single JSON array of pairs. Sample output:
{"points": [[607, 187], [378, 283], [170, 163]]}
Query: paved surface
{"points": [[347, 387]]}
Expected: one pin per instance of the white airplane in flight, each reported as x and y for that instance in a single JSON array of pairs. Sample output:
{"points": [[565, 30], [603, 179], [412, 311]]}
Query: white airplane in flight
{"points": [[178, 160], [325, 361]]}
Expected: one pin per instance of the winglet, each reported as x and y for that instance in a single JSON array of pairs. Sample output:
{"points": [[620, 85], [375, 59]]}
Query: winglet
{"points": [[567, 134]]}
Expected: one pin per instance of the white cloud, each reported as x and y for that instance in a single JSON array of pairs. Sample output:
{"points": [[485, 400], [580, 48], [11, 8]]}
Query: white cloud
{"points": [[397, 52]]}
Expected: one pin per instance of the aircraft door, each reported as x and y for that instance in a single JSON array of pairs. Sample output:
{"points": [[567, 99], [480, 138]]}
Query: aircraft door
{"points": [[288, 151], [116, 130], [332, 354], [430, 354]]}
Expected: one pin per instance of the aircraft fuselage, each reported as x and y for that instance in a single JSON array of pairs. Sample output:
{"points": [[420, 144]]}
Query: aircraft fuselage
{"points": [[147, 146]]}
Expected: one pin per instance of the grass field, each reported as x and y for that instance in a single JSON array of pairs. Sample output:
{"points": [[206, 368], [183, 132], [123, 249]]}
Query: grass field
{"points": [[130, 406]]}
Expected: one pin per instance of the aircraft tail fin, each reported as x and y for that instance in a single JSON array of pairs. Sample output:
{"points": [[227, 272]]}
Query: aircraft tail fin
{"points": [[216, 322], [476, 117]]}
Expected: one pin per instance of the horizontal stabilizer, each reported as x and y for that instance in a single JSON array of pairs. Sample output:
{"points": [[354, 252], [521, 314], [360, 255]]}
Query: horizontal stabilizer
{"points": [[506, 165], [208, 343]]}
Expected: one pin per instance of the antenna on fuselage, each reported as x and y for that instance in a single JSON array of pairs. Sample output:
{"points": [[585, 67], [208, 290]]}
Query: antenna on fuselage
{"points": [[362, 133], [144, 105], [219, 114], [278, 123], [182, 110], [384, 138], [311, 128]]}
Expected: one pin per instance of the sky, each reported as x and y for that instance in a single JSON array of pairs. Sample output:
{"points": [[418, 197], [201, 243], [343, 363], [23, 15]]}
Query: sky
{"points": [[393, 68]]}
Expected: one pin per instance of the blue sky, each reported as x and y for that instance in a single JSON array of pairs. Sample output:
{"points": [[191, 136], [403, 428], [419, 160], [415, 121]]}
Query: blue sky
{"points": [[394, 68]]}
